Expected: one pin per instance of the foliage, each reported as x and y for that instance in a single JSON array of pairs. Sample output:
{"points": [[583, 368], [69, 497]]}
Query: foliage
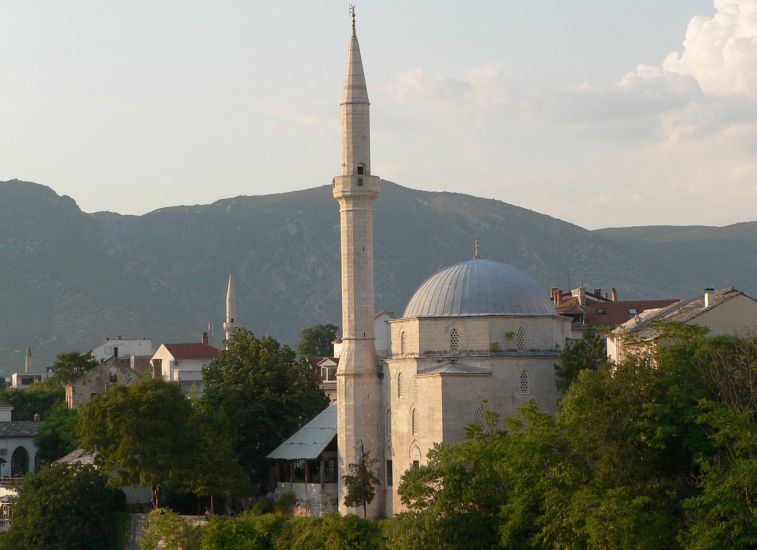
{"points": [[167, 530], [315, 341], [141, 432], [70, 366], [244, 531], [63, 506], [285, 504], [360, 482], [263, 505], [38, 398], [215, 467], [56, 434], [577, 355], [331, 532], [264, 393]]}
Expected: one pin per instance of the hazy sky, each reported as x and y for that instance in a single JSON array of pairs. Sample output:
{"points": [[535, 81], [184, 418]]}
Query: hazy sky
{"points": [[602, 113]]}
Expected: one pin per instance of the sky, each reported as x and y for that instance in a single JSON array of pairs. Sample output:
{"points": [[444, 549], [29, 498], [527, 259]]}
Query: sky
{"points": [[630, 112]]}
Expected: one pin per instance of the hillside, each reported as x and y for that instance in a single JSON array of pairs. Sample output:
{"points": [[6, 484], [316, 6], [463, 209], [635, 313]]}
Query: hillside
{"points": [[68, 279]]}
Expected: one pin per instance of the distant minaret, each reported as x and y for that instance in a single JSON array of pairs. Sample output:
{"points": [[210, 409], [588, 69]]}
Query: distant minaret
{"points": [[358, 383], [28, 360], [231, 312]]}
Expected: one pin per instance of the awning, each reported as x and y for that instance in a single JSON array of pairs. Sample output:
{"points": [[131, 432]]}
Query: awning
{"points": [[310, 440]]}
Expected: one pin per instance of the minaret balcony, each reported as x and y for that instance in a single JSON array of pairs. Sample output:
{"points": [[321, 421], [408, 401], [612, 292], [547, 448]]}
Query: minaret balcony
{"points": [[357, 186]]}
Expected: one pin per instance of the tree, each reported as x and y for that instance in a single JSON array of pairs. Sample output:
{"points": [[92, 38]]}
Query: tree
{"points": [[64, 506], [577, 355], [265, 394], [315, 341], [141, 433], [70, 366], [215, 468], [359, 484], [38, 398], [56, 435]]}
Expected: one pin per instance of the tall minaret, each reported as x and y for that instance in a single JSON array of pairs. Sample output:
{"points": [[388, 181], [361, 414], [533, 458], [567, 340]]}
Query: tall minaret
{"points": [[28, 360], [358, 383], [231, 312]]}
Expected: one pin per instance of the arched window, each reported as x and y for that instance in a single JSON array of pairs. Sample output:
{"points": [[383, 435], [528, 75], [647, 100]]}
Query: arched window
{"points": [[524, 381], [19, 462], [389, 424], [454, 340], [360, 169], [399, 385], [414, 423], [478, 416], [403, 343], [520, 339]]}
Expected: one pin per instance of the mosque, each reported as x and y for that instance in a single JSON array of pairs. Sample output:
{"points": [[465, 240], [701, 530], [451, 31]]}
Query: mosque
{"points": [[479, 334]]}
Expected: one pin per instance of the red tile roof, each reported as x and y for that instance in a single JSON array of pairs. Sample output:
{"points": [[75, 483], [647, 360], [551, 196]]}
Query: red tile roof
{"points": [[606, 313], [192, 351]]}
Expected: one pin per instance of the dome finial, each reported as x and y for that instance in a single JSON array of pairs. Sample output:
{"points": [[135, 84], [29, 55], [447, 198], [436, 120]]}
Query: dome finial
{"points": [[352, 13], [475, 248]]}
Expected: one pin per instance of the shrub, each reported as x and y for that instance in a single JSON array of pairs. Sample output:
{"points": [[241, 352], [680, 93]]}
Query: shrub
{"points": [[331, 532], [263, 505], [165, 530], [285, 504], [244, 531]]}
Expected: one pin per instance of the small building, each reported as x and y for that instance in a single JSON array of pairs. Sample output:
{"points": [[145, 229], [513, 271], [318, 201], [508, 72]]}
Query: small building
{"points": [[723, 312], [18, 453], [306, 465], [111, 372], [21, 380], [121, 347], [183, 363], [326, 367], [597, 309]]}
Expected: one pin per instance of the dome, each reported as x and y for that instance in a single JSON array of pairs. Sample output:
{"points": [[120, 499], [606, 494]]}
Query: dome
{"points": [[479, 287]]}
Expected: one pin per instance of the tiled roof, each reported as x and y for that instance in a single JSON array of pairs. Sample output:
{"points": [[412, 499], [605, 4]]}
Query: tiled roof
{"points": [[78, 456], [18, 428], [681, 312], [607, 313], [192, 351]]}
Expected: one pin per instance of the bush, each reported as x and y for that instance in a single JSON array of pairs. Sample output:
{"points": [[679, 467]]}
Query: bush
{"points": [[244, 531], [285, 504], [332, 532], [167, 530], [64, 506], [263, 505]]}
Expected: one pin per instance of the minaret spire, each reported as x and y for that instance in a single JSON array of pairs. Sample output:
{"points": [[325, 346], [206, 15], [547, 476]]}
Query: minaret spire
{"points": [[359, 407], [231, 311], [28, 360]]}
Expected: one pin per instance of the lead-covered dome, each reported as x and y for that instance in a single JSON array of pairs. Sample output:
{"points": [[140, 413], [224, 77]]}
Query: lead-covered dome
{"points": [[479, 287]]}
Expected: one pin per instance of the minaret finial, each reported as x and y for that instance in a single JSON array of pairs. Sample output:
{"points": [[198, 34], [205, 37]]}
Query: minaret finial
{"points": [[352, 13], [475, 248]]}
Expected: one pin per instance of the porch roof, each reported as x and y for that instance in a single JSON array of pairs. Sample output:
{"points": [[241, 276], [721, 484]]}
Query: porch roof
{"points": [[310, 440]]}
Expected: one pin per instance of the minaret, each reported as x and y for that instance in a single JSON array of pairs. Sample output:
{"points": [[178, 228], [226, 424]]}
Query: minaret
{"points": [[231, 312], [358, 383], [28, 360]]}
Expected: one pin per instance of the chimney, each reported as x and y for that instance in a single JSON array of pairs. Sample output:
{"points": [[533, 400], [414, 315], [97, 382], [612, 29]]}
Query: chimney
{"points": [[579, 293], [553, 292], [205, 338], [36, 417], [598, 292], [709, 297], [614, 295]]}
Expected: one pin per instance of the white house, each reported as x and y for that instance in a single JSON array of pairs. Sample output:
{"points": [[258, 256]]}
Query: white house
{"points": [[119, 347], [183, 363], [18, 453]]}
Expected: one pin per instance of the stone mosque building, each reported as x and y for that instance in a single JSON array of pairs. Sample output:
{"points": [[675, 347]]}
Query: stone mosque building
{"points": [[477, 334]]}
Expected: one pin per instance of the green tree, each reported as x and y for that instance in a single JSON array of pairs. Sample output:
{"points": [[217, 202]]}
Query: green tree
{"points": [[167, 530], [38, 398], [142, 433], [56, 434], [215, 467], [577, 355], [69, 366], [64, 506], [265, 394], [360, 482], [315, 341]]}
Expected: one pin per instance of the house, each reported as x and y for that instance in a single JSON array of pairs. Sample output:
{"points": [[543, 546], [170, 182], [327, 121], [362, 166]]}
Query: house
{"points": [[21, 380], [183, 363], [18, 453], [723, 312], [306, 465], [598, 309], [111, 372], [120, 347], [327, 369]]}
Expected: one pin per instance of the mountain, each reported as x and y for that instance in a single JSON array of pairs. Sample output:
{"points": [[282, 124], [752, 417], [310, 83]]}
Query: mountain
{"points": [[68, 279]]}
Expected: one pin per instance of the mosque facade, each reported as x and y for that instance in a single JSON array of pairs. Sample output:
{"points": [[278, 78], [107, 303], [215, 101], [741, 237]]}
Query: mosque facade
{"points": [[479, 335]]}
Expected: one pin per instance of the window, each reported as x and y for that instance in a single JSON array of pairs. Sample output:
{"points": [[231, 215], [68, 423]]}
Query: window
{"points": [[416, 464], [360, 182], [389, 424], [414, 422], [360, 169], [633, 311], [389, 475], [454, 340], [328, 374], [399, 385], [524, 381], [600, 311], [331, 472], [478, 417], [520, 339], [403, 343]]}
